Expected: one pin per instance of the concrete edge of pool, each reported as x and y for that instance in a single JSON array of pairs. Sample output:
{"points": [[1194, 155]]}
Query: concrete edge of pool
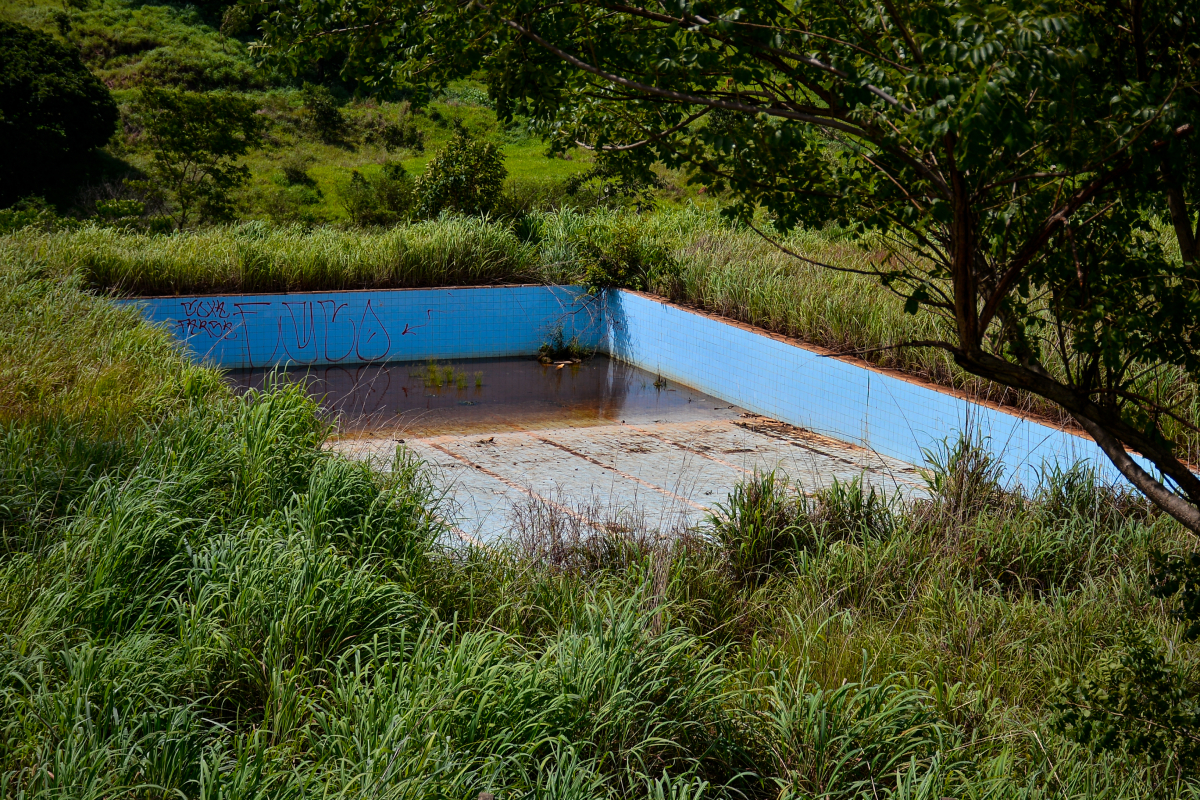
{"points": [[896, 417]]}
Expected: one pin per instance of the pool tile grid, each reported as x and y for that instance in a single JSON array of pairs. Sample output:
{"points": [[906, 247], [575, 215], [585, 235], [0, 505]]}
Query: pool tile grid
{"points": [[894, 417], [670, 473]]}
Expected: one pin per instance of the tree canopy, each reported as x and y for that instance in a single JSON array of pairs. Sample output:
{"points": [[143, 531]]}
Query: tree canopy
{"points": [[53, 112], [1011, 161]]}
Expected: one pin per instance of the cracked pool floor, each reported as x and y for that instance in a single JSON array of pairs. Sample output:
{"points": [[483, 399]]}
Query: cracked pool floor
{"points": [[672, 473], [501, 433]]}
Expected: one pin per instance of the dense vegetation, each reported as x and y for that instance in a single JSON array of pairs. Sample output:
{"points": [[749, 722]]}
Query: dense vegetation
{"points": [[318, 132], [196, 599], [1010, 158], [55, 112]]}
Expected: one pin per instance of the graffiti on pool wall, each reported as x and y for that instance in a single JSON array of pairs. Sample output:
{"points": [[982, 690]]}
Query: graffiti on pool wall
{"points": [[302, 331], [208, 317]]}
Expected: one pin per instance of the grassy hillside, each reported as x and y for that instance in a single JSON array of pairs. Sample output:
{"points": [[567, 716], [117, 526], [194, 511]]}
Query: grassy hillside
{"points": [[130, 45]]}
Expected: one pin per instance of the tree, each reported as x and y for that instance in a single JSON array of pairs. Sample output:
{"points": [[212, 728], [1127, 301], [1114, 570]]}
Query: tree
{"points": [[195, 140], [53, 112], [1014, 157], [466, 176]]}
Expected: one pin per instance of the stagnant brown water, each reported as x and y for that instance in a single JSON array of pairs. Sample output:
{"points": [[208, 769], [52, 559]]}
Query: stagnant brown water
{"points": [[460, 396]]}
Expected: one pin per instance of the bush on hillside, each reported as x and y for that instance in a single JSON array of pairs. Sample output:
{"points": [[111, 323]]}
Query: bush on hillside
{"points": [[53, 113], [30, 212], [386, 199], [323, 115], [398, 134], [466, 177]]}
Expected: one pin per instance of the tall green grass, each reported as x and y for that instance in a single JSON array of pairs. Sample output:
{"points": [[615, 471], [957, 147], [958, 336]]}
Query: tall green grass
{"points": [[718, 267], [198, 600], [256, 257], [232, 611], [68, 354]]}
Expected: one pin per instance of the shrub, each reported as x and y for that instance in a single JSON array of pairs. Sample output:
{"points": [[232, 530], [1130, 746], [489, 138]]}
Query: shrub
{"points": [[31, 211], [1135, 701], [618, 256], [295, 171], [617, 184], [399, 134], [387, 199], [324, 117], [55, 112], [522, 197], [467, 177]]}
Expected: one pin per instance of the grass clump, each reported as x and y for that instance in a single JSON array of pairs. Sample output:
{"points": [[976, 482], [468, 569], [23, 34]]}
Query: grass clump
{"points": [[66, 354]]}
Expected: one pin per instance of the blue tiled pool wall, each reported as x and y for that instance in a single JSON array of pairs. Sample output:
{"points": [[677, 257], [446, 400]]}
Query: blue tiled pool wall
{"points": [[365, 327], [891, 416]]}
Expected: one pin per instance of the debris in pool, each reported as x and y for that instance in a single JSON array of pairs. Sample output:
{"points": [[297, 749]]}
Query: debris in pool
{"points": [[466, 402], [488, 440]]}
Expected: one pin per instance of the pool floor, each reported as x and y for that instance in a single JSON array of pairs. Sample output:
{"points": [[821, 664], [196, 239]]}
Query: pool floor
{"points": [[505, 434]]}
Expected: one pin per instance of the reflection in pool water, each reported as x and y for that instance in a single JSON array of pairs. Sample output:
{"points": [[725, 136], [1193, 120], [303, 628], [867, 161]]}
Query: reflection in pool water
{"points": [[428, 398]]}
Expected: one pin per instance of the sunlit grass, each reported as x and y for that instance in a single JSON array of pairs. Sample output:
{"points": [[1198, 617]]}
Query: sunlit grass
{"points": [[198, 600]]}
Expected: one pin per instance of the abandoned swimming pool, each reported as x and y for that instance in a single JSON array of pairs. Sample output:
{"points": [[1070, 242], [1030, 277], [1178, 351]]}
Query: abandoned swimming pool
{"points": [[780, 397]]}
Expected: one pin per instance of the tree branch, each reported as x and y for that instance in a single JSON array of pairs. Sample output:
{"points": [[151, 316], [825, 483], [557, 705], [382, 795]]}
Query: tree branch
{"points": [[623, 147], [680, 97]]}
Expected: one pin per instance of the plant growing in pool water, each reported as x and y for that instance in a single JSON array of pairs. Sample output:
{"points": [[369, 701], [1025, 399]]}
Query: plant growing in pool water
{"points": [[559, 348], [438, 375]]}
